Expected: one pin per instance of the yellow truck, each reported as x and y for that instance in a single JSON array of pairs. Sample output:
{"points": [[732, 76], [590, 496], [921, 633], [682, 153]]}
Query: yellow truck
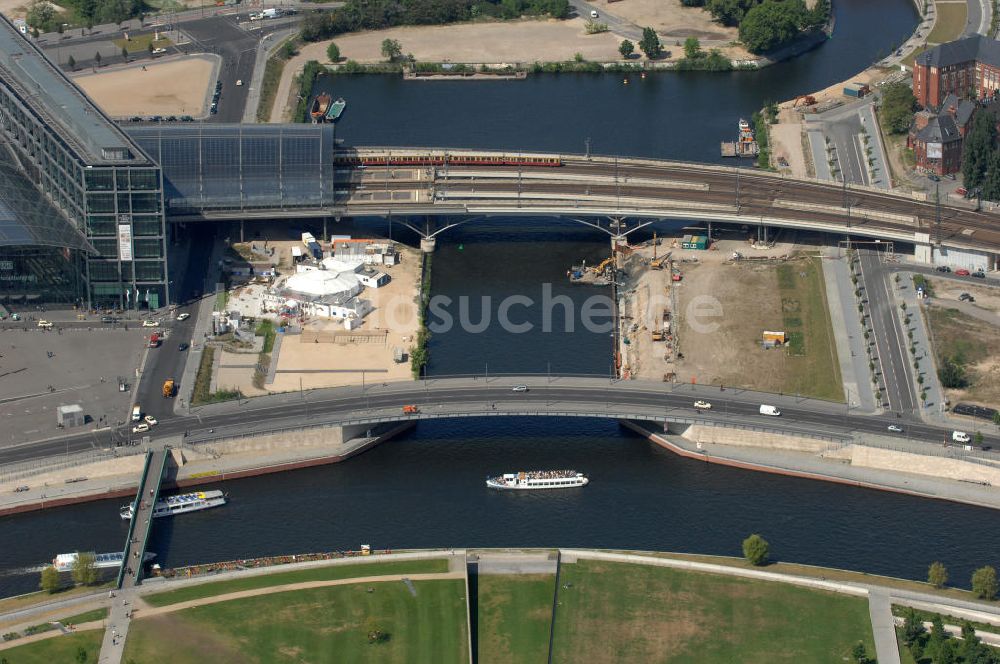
{"points": [[168, 388]]}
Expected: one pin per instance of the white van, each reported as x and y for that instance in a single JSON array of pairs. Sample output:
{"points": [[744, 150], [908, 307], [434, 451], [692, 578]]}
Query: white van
{"points": [[960, 437], [593, 13], [136, 413], [769, 410]]}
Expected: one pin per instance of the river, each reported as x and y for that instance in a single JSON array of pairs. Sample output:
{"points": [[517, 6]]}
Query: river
{"points": [[426, 488]]}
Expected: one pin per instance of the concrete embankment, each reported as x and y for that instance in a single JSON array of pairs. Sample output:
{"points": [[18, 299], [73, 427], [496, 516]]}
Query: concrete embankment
{"points": [[188, 466], [854, 464]]}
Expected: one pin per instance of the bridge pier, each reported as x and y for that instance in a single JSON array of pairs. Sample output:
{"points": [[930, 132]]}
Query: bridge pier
{"points": [[427, 244]]}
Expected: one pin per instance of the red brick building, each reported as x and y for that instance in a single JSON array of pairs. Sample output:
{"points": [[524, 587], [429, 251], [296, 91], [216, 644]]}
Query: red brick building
{"points": [[936, 138], [967, 67]]}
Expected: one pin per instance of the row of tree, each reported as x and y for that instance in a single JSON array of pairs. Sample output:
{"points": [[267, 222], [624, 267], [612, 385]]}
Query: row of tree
{"points": [[939, 647], [42, 14], [981, 157], [84, 573], [984, 579], [357, 15]]}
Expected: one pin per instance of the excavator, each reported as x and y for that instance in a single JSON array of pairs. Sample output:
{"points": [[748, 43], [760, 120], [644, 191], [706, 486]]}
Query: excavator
{"points": [[603, 264]]}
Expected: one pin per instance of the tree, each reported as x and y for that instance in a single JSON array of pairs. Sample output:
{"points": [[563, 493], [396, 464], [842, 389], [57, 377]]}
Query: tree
{"points": [[626, 48], [81, 655], [650, 44], [333, 52], [991, 182], [771, 25], [692, 48], [50, 580], [85, 569], [859, 654], [996, 418], [978, 148], [125, 53], [756, 550], [898, 104], [391, 50], [984, 582], [937, 574], [40, 16], [951, 372], [375, 632], [60, 28], [913, 627], [71, 61]]}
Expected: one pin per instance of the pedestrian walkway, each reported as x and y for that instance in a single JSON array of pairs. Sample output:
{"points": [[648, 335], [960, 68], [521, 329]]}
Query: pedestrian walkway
{"points": [[883, 627], [933, 409], [849, 336]]}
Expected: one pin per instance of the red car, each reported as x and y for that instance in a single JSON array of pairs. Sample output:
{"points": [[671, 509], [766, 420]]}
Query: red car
{"points": [[962, 273]]}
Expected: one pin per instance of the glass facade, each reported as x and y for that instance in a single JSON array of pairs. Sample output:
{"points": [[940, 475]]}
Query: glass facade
{"points": [[241, 167], [94, 197]]}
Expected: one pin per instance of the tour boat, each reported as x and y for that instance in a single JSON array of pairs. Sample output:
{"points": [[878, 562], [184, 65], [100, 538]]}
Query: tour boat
{"points": [[65, 562], [538, 479], [180, 504]]}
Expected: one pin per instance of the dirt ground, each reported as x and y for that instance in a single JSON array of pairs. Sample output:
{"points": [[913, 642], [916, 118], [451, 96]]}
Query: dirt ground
{"points": [[786, 142], [671, 20], [723, 306], [169, 87], [956, 334], [947, 289]]}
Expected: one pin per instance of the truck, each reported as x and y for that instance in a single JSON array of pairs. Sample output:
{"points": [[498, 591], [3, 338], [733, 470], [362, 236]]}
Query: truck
{"points": [[769, 410], [312, 246], [136, 413], [272, 12], [154, 340], [168, 388], [410, 410]]}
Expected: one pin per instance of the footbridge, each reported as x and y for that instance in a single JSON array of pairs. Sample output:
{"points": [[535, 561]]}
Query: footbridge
{"points": [[433, 190]]}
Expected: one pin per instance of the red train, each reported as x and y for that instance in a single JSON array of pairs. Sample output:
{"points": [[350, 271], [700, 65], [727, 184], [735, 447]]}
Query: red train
{"points": [[440, 158]]}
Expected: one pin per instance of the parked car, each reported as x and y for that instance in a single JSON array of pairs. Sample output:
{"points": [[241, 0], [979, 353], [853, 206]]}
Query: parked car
{"points": [[45, 325], [979, 274], [965, 297], [142, 427], [962, 272], [895, 428], [943, 268], [933, 178], [159, 51], [150, 420], [183, 347], [107, 319], [22, 489], [519, 388], [183, 316], [961, 191], [593, 13], [149, 323], [702, 405]]}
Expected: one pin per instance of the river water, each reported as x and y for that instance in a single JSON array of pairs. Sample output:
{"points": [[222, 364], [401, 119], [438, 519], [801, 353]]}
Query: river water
{"points": [[426, 488]]}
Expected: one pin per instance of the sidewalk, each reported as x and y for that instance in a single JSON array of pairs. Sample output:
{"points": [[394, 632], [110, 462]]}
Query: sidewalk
{"points": [[933, 409], [849, 335], [202, 329]]}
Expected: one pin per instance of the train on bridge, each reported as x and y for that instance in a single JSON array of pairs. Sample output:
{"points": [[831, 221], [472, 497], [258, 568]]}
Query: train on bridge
{"points": [[443, 158]]}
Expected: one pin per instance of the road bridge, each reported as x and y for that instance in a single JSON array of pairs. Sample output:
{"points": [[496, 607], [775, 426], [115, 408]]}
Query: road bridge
{"points": [[479, 396], [446, 184]]}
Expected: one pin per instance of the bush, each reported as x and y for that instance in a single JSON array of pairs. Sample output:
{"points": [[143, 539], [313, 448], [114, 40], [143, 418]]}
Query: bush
{"points": [[898, 105], [951, 373], [756, 550], [333, 52], [937, 574], [984, 582]]}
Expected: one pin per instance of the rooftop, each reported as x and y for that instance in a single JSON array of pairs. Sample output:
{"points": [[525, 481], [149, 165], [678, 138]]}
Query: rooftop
{"points": [[59, 103], [939, 129], [976, 47]]}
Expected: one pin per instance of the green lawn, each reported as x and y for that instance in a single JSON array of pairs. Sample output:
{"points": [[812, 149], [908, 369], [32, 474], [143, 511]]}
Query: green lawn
{"points": [[950, 23], [141, 43], [318, 625], [57, 649], [87, 616], [329, 573], [514, 617], [814, 366], [613, 612]]}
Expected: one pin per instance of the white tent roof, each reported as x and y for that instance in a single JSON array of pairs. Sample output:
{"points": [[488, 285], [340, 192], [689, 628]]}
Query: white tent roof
{"points": [[323, 282]]}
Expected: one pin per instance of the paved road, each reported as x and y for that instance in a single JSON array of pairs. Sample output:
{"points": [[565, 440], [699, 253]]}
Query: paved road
{"points": [[465, 396]]}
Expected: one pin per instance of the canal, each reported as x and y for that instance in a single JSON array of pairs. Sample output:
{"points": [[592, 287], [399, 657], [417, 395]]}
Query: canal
{"points": [[426, 488]]}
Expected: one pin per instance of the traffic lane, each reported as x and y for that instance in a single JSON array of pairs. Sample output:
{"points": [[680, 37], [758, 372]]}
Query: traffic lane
{"points": [[882, 313]]}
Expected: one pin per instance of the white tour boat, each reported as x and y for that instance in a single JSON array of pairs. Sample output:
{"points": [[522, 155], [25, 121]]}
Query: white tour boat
{"points": [[180, 504], [65, 562], [538, 479]]}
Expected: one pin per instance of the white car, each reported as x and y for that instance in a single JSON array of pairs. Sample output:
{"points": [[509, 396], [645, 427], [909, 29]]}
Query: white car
{"points": [[150, 420], [149, 323], [703, 405], [895, 428], [960, 437], [593, 13], [142, 427], [519, 388], [183, 316], [239, 81], [159, 51], [45, 325]]}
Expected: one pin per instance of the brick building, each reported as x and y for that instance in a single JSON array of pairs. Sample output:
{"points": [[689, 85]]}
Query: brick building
{"points": [[936, 137], [967, 67]]}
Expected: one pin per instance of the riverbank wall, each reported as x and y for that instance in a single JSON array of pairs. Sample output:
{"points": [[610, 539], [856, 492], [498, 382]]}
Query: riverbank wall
{"points": [[852, 464], [195, 465]]}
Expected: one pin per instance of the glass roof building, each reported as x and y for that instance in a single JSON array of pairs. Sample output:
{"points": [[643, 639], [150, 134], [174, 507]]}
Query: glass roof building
{"points": [[81, 204]]}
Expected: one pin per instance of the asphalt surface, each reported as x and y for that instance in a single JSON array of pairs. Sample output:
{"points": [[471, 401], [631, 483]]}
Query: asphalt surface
{"points": [[890, 340], [443, 398]]}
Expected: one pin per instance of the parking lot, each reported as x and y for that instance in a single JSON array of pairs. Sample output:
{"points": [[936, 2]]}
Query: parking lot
{"points": [[42, 370]]}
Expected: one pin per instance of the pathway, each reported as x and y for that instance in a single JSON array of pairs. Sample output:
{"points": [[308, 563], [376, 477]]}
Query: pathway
{"points": [[883, 627], [850, 341]]}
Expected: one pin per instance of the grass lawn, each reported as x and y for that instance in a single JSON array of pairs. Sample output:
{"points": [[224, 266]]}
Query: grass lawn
{"points": [[977, 346], [34, 599], [141, 43], [950, 23], [87, 616], [316, 625], [613, 612], [329, 573], [57, 650], [811, 346], [514, 617]]}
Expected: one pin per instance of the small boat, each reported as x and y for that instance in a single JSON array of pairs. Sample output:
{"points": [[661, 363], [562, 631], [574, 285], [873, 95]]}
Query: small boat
{"points": [[538, 479], [180, 504], [336, 108], [319, 106], [65, 562]]}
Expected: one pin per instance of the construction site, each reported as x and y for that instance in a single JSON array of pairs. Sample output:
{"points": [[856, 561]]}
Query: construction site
{"points": [[685, 315]]}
